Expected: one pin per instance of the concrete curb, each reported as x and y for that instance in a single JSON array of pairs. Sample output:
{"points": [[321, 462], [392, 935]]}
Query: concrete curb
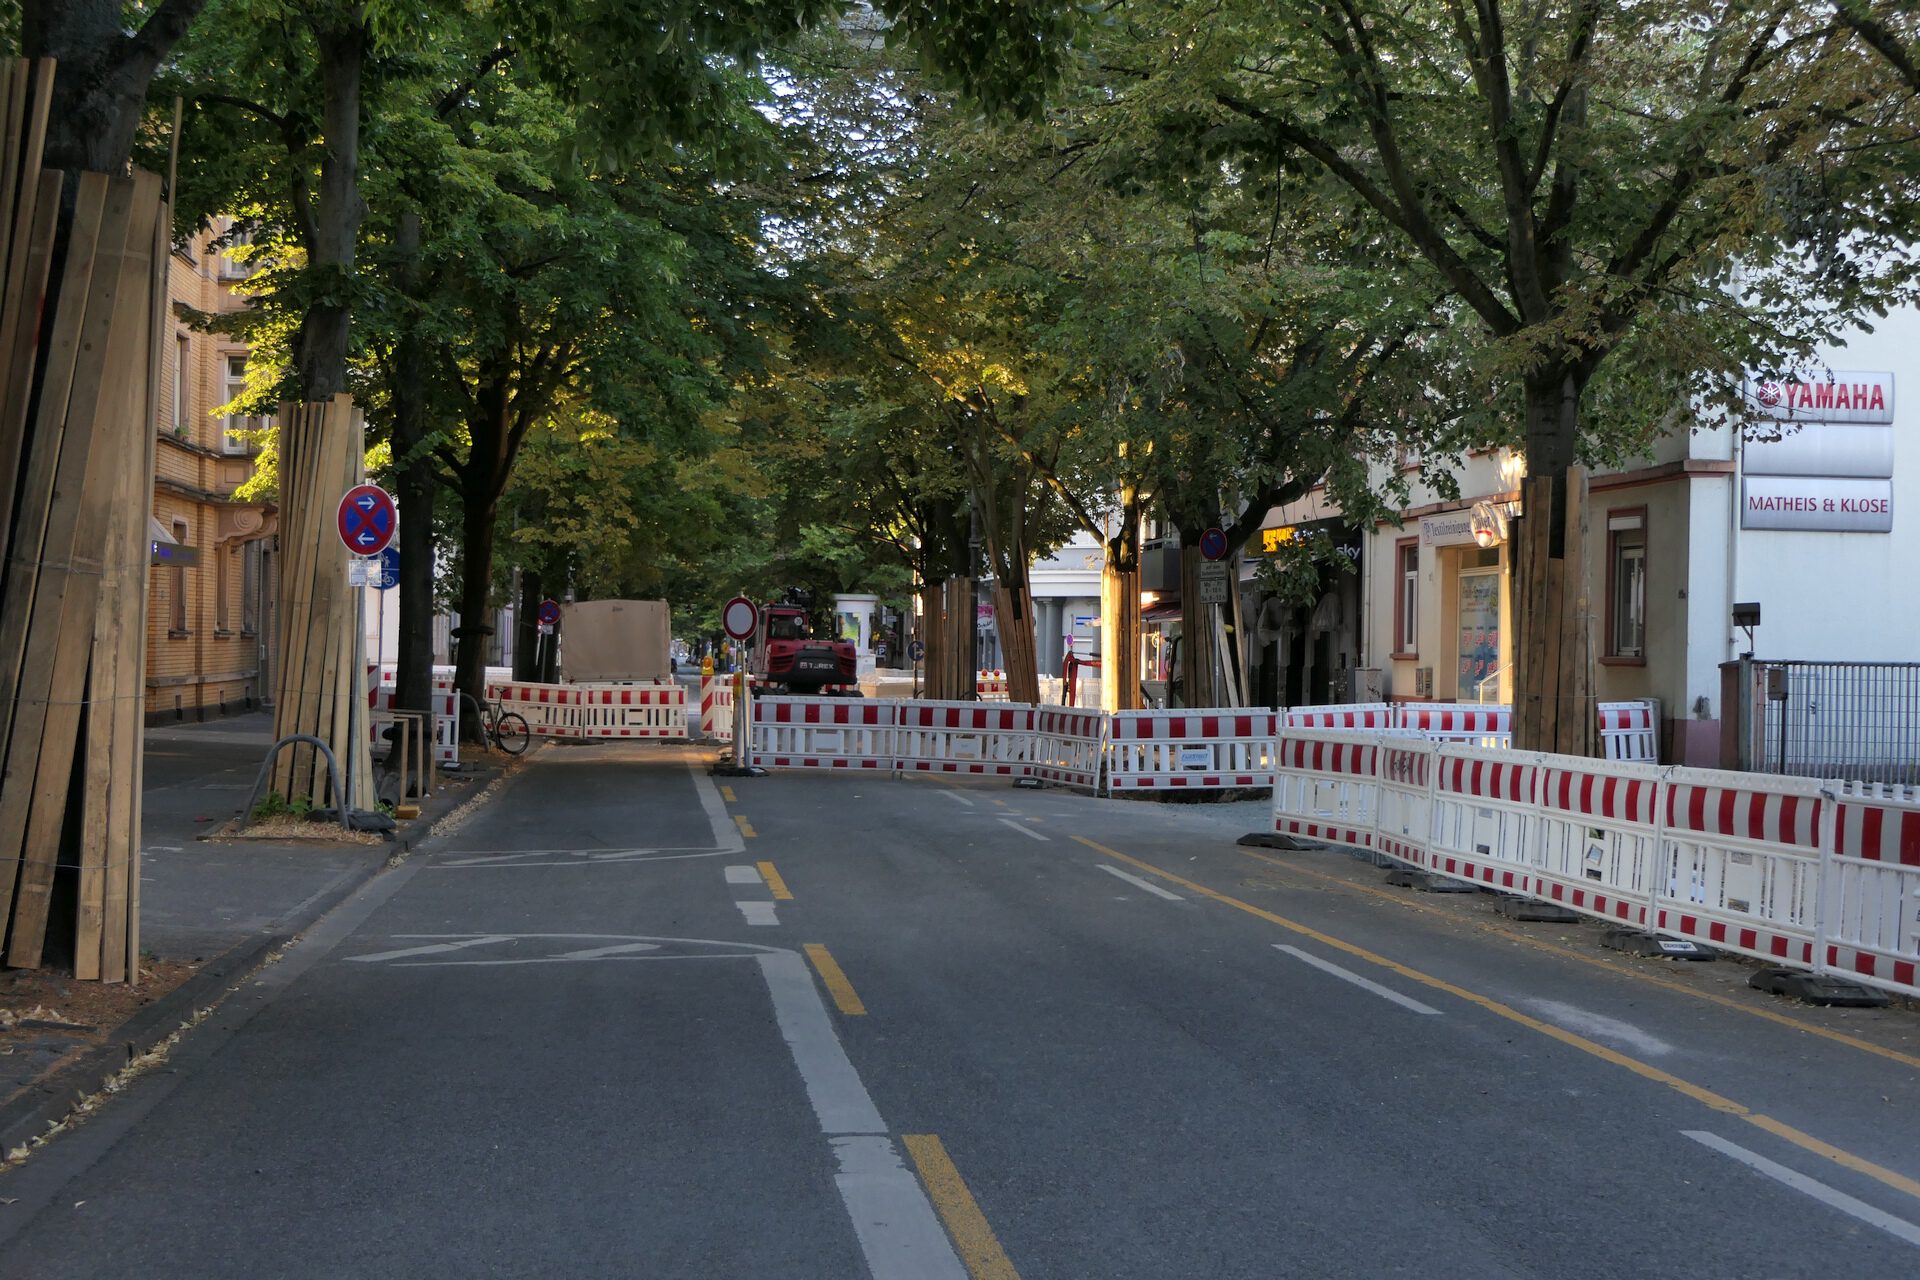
{"points": [[46, 1101]]}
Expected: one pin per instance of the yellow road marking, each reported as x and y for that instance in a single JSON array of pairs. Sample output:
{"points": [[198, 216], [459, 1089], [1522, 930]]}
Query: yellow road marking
{"points": [[726, 793], [746, 828], [845, 998], [1001, 803], [1541, 944], [1706, 1097], [979, 1247], [780, 891]]}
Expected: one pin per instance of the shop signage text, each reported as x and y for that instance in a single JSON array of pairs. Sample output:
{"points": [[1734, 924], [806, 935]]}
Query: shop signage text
{"points": [[1827, 503], [1842, 395]]}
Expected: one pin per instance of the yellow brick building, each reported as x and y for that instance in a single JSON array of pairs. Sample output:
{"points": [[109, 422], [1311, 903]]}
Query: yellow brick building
{"points": [[210, 600]]}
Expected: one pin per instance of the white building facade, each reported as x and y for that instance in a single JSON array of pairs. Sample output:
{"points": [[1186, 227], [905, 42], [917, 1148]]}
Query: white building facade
{"points": [[1816, 520]]}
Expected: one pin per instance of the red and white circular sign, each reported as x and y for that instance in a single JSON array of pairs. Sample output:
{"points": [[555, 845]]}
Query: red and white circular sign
{"points": [[740, 617]]}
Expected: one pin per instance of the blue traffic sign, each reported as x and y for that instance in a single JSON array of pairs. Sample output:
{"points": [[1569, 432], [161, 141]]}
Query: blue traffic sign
{"points": [[1213, 544], [389, 569], [367, 519], [915, 650]]}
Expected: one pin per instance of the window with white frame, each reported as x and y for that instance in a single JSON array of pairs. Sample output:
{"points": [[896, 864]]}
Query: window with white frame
{"points": [[250, 565], [233, 440], [178, 622], [1406, 604], [182, 384], [1627, 585]]}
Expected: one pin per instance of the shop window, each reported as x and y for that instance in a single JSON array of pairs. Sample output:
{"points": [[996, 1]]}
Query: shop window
{"points": [[1406, 601], [1627, 585], [234, 439]]}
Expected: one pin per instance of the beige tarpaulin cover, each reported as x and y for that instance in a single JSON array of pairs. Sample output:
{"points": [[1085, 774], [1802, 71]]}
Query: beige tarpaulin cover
{"points": [[615, 640]]}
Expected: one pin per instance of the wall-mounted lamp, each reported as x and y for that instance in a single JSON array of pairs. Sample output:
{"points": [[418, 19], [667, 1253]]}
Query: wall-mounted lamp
{"points": [[1746, 617]]}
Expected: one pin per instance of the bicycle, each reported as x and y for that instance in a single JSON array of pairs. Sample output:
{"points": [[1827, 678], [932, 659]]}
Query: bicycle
{"points": [[505, 729]]}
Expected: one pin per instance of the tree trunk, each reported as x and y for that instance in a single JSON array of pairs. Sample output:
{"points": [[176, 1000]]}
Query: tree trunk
{"points": [[104, 73], [332, 224], [415, 484], [1199, 666], [1013, 610], [528, 652], [1553, 653], [1120, 617], [479, 517]]}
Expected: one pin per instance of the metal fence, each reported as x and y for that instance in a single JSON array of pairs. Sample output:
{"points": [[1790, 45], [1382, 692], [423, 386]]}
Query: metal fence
{"points": [[1858, 721]]}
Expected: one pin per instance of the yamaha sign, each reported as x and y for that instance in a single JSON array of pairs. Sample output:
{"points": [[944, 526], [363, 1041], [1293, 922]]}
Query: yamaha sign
{"points": [[1828, 464]]}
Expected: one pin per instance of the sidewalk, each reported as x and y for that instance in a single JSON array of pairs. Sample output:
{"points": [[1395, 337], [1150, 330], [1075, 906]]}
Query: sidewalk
{"points": [[216, 906]]}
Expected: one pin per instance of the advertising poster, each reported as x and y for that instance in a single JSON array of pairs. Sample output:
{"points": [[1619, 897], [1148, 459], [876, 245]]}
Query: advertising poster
{"points": [[1479, 629]]}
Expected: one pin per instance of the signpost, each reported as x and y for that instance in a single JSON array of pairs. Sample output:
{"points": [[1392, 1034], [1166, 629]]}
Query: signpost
{"points": [[367, 521], [1213, 582], [740, 618]]}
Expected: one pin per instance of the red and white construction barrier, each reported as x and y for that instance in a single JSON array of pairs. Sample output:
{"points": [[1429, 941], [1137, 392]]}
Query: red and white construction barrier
{"points": [[991, 686], [582, 712], [1190, 750], [1457, 722], [1354, 716], [446, 719], [1069, 746], [1781, 869], [963, 737], [822, 733]]}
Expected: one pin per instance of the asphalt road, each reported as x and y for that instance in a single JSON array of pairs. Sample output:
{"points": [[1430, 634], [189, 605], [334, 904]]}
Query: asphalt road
{"points": [[633, 1021]]}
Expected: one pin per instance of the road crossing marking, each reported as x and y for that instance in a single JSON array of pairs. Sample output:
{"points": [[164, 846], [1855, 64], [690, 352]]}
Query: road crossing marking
{"points": [[780, 891], [1025, 830], [965, 800], [1706, 1097], [979, 1247], [845, 998], [1138, 883], [758, 913], [744, 875], [1365, 984], [1820, 1191]]}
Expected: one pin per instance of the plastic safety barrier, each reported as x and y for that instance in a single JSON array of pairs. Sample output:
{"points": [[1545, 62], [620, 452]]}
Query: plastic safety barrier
{"points": [[991, 686], [822, 733], [1457, 722], [1194, 750], [1783, 869], [582, 712], [1355, 716], [1630, 730], [446, 719], [1069, 746], [963, 737], [1326, 786], [1873, 888]]}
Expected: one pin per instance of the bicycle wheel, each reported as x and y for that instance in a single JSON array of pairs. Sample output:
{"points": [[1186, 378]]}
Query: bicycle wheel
{"points": [[511, 733]]}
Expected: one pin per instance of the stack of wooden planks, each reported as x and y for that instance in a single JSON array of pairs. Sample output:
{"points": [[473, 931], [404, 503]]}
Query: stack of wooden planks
{"points": [[81, 297], [321, 674], [1553, 709]]}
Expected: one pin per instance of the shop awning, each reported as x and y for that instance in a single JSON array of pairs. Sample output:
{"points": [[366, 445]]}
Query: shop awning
{"points": [[1164, 611]]}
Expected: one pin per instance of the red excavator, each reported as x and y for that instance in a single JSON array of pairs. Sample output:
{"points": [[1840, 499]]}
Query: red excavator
{"points": [[788, 659]]}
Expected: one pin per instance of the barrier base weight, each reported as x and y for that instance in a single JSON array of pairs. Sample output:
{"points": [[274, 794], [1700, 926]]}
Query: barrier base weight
{"points": [[1534, 910], [1427, 882], [1815, 988], [1268, 840], [1636, 943]]}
